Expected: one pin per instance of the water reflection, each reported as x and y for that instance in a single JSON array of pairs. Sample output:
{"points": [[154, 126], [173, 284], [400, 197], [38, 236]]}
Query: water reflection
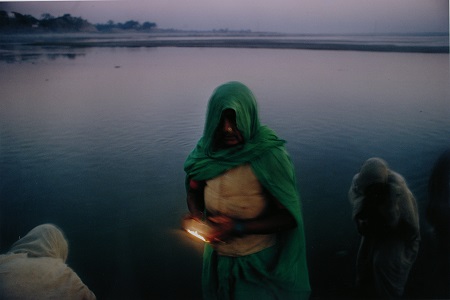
{"points": [[99, 149], [20, 48], [18, 57]]}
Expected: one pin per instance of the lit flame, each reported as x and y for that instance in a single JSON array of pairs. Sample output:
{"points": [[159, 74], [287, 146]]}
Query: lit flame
{"points": [[196, 234]]}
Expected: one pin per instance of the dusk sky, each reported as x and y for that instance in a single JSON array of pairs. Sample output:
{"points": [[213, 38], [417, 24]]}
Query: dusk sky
{"points": [[290, 16]]}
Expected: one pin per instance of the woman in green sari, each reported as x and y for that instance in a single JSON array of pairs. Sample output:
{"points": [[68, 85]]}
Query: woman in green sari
{"points": [[241, 182]]}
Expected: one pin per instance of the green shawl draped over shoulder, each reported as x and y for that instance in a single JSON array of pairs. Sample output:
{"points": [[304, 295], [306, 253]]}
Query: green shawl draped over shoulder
{"points": [[270, 162]]}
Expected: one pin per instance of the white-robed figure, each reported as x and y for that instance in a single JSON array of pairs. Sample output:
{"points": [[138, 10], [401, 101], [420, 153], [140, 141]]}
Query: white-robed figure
{"points": [[35, 268], [386, 215]]}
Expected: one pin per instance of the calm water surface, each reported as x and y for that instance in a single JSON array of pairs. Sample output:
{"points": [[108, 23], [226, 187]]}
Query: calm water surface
{"points": [[94, 140]]}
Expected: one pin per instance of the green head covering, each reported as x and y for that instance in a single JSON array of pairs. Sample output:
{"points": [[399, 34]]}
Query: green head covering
{"points": [[205, 161], [239, 98], [270, 162]]}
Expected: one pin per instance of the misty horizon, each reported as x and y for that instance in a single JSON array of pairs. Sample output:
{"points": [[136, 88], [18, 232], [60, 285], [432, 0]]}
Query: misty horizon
{"points": [[308, 17]]}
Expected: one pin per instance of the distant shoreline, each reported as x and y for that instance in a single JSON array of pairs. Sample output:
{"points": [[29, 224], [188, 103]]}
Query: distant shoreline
{"points": [[248, 43], [372, 43]]}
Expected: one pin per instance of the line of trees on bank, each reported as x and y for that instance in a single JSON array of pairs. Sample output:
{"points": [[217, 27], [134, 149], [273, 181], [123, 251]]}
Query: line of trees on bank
{"points": [[13, 21], [128, 25]]}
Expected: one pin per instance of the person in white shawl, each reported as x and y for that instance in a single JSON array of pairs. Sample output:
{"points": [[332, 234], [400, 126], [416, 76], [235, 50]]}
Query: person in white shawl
{"points": [[386, 215], [35, 268]]}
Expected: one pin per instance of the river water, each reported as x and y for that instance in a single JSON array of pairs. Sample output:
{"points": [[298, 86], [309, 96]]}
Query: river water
{"points": [[94, 140]]}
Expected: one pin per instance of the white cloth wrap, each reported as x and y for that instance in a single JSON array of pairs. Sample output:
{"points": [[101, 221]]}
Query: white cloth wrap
{"points": [[387, 260], [238, 194], [35, 268]]}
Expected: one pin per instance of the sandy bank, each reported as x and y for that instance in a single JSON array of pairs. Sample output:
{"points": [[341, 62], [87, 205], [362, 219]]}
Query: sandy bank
{"points": [[251, 43], [418, 44]]}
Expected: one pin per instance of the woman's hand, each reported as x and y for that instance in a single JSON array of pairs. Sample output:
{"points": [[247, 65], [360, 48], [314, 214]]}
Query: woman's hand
{"points": [[222, 228]]}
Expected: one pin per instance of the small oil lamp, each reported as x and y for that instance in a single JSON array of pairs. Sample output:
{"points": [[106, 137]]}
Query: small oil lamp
{"points": [[197, 228]]}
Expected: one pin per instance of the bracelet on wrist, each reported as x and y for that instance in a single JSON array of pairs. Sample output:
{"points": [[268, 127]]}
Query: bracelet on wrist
{"points": [[238, 227]]}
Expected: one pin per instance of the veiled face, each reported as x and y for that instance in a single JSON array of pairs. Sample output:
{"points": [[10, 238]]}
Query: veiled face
{"points": [[377, 190], [231, 103], [227, 134]]}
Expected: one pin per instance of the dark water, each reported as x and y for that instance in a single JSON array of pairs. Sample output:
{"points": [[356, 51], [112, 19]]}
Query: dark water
{"points": [[94, 141]]}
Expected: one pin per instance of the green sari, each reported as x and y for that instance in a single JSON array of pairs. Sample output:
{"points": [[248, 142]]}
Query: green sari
{"points": [[279, 271]]}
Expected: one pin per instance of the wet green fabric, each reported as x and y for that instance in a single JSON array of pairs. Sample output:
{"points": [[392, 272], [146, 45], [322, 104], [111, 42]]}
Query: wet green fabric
{"points": [[286, 272]]}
